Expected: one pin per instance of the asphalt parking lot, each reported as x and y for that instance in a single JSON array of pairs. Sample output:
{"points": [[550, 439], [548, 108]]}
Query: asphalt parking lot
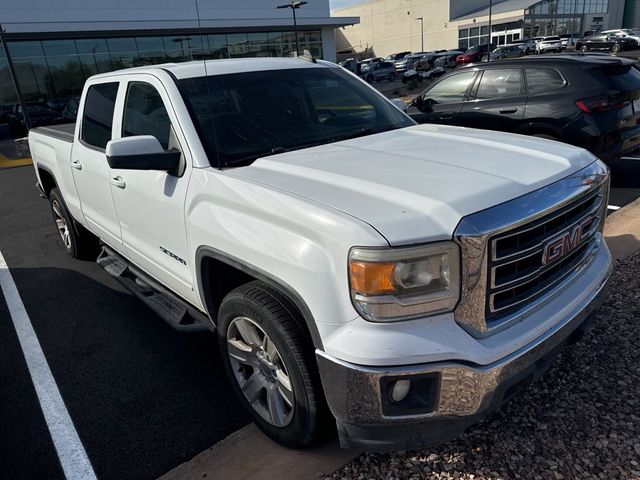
{"points": [[142, 397]]}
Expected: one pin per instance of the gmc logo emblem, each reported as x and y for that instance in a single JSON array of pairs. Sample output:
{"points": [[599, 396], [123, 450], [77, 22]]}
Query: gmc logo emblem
{"points": [[566, 242]]}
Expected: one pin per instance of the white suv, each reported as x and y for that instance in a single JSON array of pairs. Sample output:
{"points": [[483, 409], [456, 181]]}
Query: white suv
{"points": [[549, 44]]}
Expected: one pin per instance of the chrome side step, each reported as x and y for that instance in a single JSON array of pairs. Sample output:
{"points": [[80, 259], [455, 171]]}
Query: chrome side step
{"points": [[173, 310]]}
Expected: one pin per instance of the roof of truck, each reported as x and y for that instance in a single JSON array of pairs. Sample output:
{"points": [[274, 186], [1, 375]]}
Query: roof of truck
{"points": [[196, 68]]}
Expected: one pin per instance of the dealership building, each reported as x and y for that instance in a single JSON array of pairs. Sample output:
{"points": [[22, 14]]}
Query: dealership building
{"points": [[390, 26], [54, 46]]}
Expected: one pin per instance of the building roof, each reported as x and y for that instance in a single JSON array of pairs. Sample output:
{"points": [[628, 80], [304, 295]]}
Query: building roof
{"points": [[499, 7]]}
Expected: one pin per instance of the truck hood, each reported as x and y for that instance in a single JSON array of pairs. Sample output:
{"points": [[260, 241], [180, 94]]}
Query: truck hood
{"points": [[415, 184]]}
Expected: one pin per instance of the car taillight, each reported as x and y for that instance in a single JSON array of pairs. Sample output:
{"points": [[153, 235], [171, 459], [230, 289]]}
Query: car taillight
{"points": [[602, 104]]}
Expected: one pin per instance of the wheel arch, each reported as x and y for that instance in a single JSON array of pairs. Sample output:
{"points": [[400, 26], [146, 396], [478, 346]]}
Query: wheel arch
{"points": [[47, 179], [210, 260], [540, 127]]}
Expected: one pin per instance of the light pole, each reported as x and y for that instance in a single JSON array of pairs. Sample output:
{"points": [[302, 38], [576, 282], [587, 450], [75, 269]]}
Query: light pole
{"points": [[421, 32], [489, 44], [294, 6]]}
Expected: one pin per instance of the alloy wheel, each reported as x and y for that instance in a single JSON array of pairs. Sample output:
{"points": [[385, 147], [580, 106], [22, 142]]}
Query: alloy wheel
{"points": [[260, 371], [61, 223]]}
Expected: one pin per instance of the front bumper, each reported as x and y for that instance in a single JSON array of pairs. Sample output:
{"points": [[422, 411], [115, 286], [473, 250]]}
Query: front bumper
{"points": [[465, 392]]}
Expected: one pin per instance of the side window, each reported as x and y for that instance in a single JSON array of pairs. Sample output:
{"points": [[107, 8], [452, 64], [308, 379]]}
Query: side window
{"points": [[451, 90], [540, 80], [97, 118], [500, 83], [145, 113]]}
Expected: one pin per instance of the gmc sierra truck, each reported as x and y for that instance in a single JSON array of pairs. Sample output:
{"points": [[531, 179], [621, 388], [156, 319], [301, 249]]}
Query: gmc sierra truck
{"points": [[406, 278]]}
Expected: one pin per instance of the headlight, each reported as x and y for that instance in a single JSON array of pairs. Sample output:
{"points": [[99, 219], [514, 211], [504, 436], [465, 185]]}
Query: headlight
{"points": [[401, 283]]}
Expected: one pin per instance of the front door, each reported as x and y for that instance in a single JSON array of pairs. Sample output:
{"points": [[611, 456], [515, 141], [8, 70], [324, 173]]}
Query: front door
{"points": [[89, 162], [150, 204], [442, 102]]}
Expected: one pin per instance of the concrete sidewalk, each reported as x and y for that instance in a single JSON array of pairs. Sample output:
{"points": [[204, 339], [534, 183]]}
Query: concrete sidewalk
{"points": [[248, 454]]}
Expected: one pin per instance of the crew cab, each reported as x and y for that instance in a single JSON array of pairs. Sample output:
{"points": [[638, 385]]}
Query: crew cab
{"points": [[406, 279]]}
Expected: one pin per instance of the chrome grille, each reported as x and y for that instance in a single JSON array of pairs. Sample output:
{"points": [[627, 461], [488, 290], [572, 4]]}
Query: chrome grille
{"points": [[517, 269]]}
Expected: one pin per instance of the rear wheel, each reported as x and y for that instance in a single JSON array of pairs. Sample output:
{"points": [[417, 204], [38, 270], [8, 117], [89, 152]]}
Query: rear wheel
{"points": [[615, 48], [76, 240], [270, 363]]}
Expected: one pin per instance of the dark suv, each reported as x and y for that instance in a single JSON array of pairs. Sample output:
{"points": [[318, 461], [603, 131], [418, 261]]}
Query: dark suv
{"points": [[591, 101], [379, 71]]}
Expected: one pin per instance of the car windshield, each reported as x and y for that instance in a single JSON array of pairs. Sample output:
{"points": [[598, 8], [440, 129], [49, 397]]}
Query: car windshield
{"points": [[244, 116]]}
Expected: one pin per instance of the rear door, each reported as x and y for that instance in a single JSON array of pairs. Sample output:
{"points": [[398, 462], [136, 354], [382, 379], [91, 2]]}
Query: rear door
{"points": [[442, 102], [498, 101], [89, 162]]}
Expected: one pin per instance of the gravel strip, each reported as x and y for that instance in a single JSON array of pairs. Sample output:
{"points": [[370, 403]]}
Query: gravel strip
{"points": [[581, 420]]}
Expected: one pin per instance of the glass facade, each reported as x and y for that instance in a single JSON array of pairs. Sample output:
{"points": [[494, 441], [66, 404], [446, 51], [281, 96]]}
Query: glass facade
{"points": [[558, 17], [51, 73], [501, 34]]}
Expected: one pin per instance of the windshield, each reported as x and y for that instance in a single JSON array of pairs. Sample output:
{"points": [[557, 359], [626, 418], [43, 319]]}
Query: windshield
{"points": [[244, 116]]}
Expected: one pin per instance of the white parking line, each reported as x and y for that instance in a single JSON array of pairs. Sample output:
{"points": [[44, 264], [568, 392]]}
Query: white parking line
{"points": [[613, 207], [71, 453]]}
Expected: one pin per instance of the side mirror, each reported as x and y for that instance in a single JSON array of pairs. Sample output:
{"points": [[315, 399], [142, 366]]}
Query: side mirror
{"points": [[399, 104], [142, 152]]}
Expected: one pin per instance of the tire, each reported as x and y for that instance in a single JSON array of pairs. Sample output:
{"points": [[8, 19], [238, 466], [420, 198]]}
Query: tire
{"points": [[584, 48], [369, 78], [76, 240], [392, 77], [290, 416], [615, 48]]}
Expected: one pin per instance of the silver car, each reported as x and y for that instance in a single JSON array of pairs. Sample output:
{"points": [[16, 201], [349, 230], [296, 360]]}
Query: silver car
{"points": [[549, 44]]}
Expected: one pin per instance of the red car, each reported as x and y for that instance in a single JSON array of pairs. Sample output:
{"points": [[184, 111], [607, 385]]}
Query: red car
{"points": [[474, 54]]}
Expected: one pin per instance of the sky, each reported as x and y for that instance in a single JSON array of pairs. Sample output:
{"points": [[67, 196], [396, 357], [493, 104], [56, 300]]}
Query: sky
{"points": [[343, 3]]}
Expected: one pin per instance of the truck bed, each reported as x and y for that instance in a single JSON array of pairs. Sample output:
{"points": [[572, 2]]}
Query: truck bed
{"points": [[63, 132]]}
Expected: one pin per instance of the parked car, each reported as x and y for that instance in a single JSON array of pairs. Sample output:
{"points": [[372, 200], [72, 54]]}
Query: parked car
{"points": [[394, 57], [447, 59], [624, 33], [370, 61], [549, 44], [474, 54], [589, 101], [568, 40], [407, 62], [603, 41], [379, 71], [502, 53], [526, 45], [39, 115], [398, 281], [57, 104]]}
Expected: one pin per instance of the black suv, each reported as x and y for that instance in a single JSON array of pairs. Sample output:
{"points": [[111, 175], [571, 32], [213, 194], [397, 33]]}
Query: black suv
{"points": [[592, 101]]}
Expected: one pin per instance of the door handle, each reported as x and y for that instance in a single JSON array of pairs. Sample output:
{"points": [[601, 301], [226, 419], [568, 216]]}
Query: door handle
{"points": [[76, 164], [508, 110], [118, 182]]}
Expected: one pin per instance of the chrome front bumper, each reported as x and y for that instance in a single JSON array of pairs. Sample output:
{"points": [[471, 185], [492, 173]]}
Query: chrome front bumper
{"points": [[465, 393]]}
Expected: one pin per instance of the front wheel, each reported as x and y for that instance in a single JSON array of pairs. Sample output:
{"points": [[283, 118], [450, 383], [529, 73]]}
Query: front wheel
{"points": [[584, 49], [615, 48], [270, 363]]}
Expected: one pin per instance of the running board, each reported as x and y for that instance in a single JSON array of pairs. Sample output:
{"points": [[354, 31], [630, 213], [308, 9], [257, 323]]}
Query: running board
{"points": [[177, 313]]}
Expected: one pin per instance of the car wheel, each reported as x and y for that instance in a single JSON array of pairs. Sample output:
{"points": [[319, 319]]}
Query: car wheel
{"points": [[369, 78], [76, 240], [392, 77], [584, 48], [521, 54], [615, 48], [271, 363]]}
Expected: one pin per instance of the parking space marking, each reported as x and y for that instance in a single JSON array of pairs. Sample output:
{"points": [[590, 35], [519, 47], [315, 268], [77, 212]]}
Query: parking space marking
{"points": [[73, 458], [613, 207]]}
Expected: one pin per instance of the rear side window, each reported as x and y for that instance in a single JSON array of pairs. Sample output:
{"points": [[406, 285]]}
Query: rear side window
{"points": [[500, 83], [541, 80], [145, 113], [97, 118]]}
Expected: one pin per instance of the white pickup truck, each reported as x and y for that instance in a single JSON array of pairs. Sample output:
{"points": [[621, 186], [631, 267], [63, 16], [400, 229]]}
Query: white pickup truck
{"points": [[406, 278]]}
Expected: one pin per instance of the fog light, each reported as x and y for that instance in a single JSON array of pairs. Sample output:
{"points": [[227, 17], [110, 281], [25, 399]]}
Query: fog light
{"points": [[400, 390]]}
